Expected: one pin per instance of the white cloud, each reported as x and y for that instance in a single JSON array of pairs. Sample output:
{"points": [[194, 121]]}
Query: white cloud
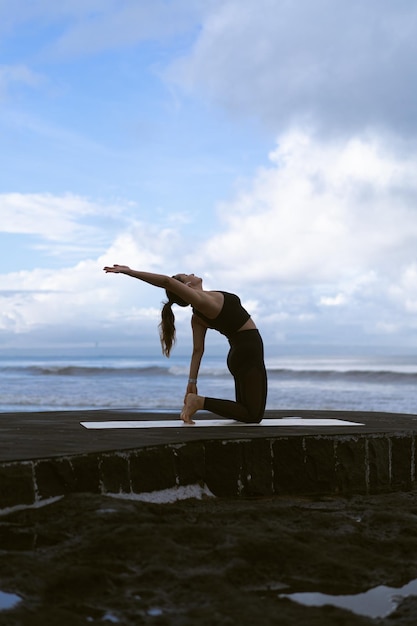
{"points": [[324, 236], [404, 292], [83, 297], [44, 214], [126, 25], [337, 300], [59, 224], [322, 239], [17, 75], [342, 66], [338, 65], [331, 225], [91, 26]]}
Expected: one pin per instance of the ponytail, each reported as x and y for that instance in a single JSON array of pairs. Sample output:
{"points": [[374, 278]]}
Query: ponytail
{"points": [[167, 323], [167, 328]]}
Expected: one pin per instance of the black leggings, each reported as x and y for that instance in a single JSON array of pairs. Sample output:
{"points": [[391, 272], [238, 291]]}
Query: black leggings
{"points": [[246, 363]]}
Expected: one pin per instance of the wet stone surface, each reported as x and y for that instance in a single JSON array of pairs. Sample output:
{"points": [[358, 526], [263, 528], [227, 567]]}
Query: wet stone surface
{"points": [[90, 559]]}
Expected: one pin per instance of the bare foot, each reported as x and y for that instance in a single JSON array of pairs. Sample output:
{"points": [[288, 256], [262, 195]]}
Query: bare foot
{"points": [[192, 403]]}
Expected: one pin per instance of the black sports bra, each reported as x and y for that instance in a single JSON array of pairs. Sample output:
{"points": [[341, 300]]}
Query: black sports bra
{"points": [[231, 317]]}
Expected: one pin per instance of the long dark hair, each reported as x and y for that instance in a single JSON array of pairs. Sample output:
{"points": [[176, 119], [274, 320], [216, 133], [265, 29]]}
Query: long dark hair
{"points": [[167, 323]]}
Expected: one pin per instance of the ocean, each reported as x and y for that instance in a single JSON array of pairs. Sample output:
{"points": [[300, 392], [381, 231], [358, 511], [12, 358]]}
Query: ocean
{"points": [[379, 383]]}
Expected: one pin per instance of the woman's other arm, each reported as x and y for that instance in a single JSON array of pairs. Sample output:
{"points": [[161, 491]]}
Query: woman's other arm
{"points": [[199, 333]]}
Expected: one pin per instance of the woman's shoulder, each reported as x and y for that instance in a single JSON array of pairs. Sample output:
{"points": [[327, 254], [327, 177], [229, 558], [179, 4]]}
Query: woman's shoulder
{"points": [[210, 305]]}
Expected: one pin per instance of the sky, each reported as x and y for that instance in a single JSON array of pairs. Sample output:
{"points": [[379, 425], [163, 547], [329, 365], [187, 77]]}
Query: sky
{"points": [[269, 147]]}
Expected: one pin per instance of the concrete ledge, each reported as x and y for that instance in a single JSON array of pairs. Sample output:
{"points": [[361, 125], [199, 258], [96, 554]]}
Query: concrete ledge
{"points": [[48, 455], [306, 465]]}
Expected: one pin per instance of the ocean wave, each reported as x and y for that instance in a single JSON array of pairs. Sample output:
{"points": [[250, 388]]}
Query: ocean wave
{"points": [[359, 375], [85, 370], [108, 370], [382, 376]]}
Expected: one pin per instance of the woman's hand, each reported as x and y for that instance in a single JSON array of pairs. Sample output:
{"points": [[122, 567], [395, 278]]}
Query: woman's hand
{"points": [[191, 388], [117, 269]]}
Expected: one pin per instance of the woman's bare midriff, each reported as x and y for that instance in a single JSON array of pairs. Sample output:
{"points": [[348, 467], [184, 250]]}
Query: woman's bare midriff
{"points": [[249, 325]]}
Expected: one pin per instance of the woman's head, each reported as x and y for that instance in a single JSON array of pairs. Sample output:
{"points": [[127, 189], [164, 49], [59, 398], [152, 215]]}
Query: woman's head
{"points": [[167, 324], [191, 280]]}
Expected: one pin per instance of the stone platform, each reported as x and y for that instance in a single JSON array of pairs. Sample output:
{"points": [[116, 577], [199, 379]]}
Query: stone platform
{"points": [[49, 454]]}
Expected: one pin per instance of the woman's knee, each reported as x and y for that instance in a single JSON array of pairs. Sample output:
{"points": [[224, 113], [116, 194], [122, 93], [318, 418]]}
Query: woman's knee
{"points": [[254, 418]]}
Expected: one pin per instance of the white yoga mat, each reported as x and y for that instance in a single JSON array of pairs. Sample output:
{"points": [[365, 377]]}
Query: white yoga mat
{"points": [[284, 421]]}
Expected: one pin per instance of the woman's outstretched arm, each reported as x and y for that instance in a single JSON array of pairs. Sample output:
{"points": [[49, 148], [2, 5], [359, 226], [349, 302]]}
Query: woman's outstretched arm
{"points": [[158, 280], [199, 299]]}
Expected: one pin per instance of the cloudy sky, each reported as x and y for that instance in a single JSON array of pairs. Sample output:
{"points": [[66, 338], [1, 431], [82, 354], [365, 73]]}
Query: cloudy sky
{"points": [[268, 146]]}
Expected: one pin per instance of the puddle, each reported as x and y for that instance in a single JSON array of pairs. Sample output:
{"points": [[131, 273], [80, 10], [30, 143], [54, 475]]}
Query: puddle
{"points": [[377, 602], [8, 600]]}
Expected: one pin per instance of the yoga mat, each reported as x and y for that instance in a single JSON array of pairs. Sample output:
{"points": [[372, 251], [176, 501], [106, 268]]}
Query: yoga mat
{"points": [[219, 423]]}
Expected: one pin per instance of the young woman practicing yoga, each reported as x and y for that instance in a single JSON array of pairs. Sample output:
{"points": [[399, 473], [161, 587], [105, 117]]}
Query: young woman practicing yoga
{"points": [[223, 312]]}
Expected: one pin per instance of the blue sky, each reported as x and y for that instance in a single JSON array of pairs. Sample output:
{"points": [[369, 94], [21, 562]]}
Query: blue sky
{"points": [[268, 146]]}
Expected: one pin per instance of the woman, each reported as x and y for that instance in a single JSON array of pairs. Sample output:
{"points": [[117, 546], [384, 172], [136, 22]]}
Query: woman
{"points": [[223, 312]]}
